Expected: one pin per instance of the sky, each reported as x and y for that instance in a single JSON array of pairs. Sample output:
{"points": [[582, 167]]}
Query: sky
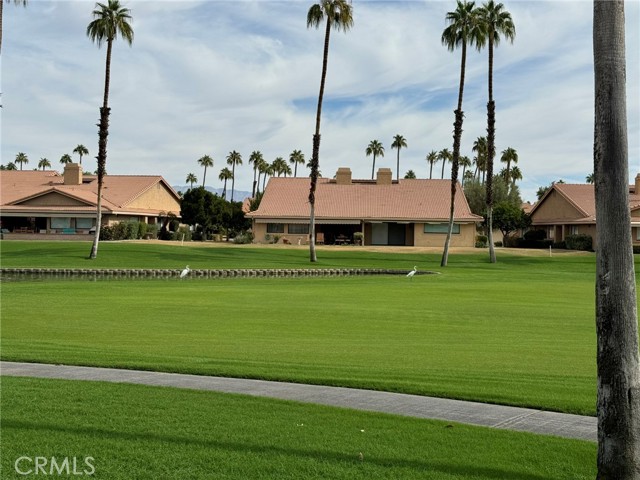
{"points": [[209, 77]]}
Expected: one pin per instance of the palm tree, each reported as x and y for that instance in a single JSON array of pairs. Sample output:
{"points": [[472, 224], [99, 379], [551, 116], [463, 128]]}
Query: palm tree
{"points": [[21, 158], [205, 161], [590, 178], [509, 156], [296, 158], [480, 147], [44, 163], [336, 14], [432, 157], [262, 167], [278, 166], [466, 163], [618, 365], [225, 174], [17, 2], [233, 159], [268, 171], [410, 175], [515, 175], [398, 142], [464, 29], [497, 23], [81, 150], [191, 179], [286, 169], [445, 156], [376, 149], [254, 159], [109, 21], [66, 158]]}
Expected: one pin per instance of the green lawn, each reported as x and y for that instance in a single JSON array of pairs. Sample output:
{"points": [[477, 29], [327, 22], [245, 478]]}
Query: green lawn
{"points": [[152, 432], [520, 332]]}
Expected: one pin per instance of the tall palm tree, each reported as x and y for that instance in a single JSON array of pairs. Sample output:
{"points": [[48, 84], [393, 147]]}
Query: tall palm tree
{"points": [[336, 14], [205, 161], [515, 175], [432, 158], [464, 29], [296, 158], [110, 20], [17, 2], [268, 171], [376, 149], [233, 159], [286, 169], [254, 159], [509, 156], [618, 365], [465, 162], [410, 175], [480, 147], [590, 178], [66, 158], [398, 142], [445, 156], [21, 158], [497, 23], [191, 179], [278, 166], [225, 174], [262, 168], [81, 150], [44, 163]]}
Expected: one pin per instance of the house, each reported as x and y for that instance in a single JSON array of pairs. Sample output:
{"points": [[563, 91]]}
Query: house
{"points": [[387, 212], [567, 209], [46, 202]]}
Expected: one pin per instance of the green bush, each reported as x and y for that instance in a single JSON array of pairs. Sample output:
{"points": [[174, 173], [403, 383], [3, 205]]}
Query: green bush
{"points": [[636, 249], [497, 244], [524, 243], [106, 233], [579, 242], [481, 241], [245, 237]]}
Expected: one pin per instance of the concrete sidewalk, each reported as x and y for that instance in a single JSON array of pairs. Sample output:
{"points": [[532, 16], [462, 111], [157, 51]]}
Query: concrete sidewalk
{"points": [[486, 415]]}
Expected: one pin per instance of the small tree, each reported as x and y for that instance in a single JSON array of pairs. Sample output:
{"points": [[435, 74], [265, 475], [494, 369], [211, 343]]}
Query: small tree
{"points": [[508, 218]]}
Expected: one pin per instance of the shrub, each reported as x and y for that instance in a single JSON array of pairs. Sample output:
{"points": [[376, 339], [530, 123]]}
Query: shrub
{"points": [[245, 237], [524, 243], [268, 238], [636, 249], [106, 233], [481, 241], [560, 245], [497, 244], [276, 238], [579, 242]]}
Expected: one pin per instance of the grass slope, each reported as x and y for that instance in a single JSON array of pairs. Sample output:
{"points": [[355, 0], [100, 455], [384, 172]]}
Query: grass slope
{"points": [[519, 332], [149, 432]]}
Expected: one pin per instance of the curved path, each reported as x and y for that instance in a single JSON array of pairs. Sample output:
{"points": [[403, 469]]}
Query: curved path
{"points": [[487, 415]]}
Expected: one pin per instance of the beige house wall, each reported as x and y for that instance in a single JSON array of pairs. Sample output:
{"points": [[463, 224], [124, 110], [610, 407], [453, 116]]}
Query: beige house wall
{"points": [[466, 237], [53, 200], [555, 207], [157, 197]]}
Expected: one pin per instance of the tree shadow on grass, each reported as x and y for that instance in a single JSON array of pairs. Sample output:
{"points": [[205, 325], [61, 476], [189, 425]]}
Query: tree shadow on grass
{"points": [[454, 468]]}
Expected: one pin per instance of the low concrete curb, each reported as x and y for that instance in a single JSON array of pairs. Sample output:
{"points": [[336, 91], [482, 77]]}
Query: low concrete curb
{"points": [[86, 273], [487, 415]]}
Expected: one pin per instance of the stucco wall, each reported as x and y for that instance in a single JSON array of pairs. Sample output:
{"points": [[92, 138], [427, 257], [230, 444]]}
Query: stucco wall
{"points": [[466, 237], [157, 198], [53, 200], [555, 207]]}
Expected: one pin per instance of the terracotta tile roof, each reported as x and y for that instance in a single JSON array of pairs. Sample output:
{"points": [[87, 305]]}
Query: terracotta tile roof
{"points": [[118, 190], [582, 197], [406, 200]]}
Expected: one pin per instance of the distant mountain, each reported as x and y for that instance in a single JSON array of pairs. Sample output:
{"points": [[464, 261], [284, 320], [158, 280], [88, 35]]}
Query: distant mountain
{"points": [[238, 195]]}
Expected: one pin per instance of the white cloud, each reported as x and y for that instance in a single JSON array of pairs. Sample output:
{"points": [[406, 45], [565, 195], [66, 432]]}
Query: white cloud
{"points": [[215, 76]]}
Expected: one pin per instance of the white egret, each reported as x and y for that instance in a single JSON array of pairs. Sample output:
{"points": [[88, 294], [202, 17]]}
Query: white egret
{"points": [[412, 272], [185, 272]]}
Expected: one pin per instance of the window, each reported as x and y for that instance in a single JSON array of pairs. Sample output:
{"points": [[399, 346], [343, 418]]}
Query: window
{"points": [[275, 227], [84, 222], [441, 228], [574, 230], [61, 222], [299, 228]]}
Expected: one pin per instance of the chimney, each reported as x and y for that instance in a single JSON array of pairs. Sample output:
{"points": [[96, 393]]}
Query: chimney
{"points": [[343, 176], [637, 190], [73, 174], [384, 176]]}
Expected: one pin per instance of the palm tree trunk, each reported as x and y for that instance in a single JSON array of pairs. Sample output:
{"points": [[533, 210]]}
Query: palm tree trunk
{"points": [[430, 171], [233, 179], [204, 176], [457, 136], [315, 157], [253, 191], [373, 167], [224, 189], [444, 162], [618, 366], [398, 165], [295, 169], [103, 133], [491, 132]]}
